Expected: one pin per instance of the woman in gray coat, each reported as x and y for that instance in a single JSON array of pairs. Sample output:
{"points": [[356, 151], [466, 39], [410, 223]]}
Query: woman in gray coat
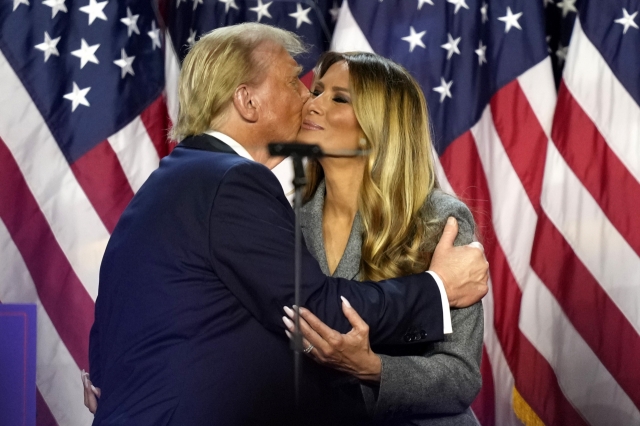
{"points": [[377, 216]]}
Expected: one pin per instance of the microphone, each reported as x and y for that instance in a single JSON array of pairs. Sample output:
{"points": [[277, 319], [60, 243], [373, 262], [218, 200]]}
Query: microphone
{"points": [[287, 149]]}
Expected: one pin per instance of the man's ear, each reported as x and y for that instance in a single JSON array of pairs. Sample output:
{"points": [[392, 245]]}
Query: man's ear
{"points": [[245, 103]]}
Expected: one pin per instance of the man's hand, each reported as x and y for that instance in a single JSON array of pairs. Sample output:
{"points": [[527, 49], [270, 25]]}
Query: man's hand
{"points": [[463, 270]]}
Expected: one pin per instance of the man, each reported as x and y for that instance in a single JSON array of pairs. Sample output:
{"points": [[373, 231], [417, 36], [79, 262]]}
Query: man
{"points": [[188, 326]]}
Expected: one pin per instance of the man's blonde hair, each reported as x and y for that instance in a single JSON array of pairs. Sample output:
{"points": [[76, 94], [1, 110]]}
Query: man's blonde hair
{"points": [[216, 65]]}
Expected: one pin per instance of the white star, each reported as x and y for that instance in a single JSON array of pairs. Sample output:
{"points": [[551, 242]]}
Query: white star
{"points": [[155, 36], [48, 46], [178, 3], [414, 39], [301, 15], [459, 4], [422, 2], [56, 6], [561, 53], [86, 53], [547, 2], [192, 38], [484, 10], [17, 3], [548, 38], [94, 10], [77, 96], [131, 21], [263, 10], [481, 51], [125, 63], [444, 89], [567, 6], [228, 4], [451, 46], [511, 20], [334, 11], [627, 20], [196, 3]]}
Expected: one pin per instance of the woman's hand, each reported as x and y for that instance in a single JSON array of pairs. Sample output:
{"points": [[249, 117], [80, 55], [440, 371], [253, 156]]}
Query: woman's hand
{"points": [[91, 393], [349, 353]]}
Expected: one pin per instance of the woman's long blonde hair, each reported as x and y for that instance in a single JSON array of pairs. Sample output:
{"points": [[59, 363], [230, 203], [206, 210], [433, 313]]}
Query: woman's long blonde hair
{"points": [[399, 231]]}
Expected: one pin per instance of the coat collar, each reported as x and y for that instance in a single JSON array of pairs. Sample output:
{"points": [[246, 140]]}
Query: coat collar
{"points": [[311, 221], [207, 143]]}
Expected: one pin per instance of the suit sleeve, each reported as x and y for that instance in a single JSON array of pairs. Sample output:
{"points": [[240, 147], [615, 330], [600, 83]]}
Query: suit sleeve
{"points": [[94, 355], [446, 379], [252, 252]]}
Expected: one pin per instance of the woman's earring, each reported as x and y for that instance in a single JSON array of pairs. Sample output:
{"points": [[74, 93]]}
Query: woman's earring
{"points": [[363, 143]]}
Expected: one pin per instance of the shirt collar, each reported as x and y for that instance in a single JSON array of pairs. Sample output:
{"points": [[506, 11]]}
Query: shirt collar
{"points": [[239, 149]]}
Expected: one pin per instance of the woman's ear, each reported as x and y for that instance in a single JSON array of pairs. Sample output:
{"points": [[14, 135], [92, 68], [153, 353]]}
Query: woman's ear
{"points": [[245, 103]]}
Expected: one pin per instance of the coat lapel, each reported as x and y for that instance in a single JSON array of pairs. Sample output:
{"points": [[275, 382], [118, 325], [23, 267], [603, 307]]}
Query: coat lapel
{"points": [[349, 265]]}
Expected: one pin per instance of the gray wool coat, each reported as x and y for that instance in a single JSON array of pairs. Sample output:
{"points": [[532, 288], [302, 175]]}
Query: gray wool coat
{"points": [[422, 384]]}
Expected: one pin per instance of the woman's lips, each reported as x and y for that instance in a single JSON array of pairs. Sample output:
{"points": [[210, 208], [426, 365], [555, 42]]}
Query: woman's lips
{"points": [[310, 125]]}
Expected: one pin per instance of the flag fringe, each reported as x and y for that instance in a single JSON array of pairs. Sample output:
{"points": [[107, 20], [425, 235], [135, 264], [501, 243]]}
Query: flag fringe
{"points": [[524, 412]]}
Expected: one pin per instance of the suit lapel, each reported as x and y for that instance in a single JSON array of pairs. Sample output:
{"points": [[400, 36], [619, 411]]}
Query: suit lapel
{"points": [[206, 143]]}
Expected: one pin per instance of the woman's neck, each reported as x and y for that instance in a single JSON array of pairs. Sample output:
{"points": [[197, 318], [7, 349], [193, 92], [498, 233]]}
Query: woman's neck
{"points": [[343, 178]]}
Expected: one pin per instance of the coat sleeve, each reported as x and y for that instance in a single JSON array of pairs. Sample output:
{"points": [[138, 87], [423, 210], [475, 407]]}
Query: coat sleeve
{"points": [[446, 378], [252, 252]]}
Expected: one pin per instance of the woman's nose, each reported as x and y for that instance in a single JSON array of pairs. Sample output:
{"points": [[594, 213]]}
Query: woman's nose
{"points": [[313, 105]]}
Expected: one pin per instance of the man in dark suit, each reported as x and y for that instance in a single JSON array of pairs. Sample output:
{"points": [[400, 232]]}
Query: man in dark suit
{"points": [[188, 326]]}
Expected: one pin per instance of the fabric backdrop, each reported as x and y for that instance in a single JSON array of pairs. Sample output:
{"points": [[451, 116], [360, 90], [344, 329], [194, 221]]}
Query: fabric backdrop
{"points": [[535, 113]]}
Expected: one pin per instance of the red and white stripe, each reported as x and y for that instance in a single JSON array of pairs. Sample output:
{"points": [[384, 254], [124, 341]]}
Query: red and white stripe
{"points": [[55, 221]]}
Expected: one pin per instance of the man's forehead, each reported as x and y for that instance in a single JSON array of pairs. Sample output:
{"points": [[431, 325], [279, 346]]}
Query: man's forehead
{"points": [[276, 55]]}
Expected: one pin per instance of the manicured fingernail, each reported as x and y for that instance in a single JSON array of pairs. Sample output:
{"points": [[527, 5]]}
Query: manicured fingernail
{"points": [[451, 221], [93, 388], [289, 335], [345, 301], [287, 322], [289, 311]]}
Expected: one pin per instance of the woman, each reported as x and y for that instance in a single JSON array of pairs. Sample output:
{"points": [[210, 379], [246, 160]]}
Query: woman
{"points": [[378, 216]]}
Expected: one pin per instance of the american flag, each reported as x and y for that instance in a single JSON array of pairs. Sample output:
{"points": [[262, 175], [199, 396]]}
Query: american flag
{"points": [[552, 180], [552, 177], [82, 124]]}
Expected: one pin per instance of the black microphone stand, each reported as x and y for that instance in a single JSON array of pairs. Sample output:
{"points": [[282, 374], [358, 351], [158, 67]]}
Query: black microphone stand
{"points": [[299, 181], [297, 151]]}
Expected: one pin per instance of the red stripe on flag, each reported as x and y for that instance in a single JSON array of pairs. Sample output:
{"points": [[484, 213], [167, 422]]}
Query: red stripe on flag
{"points": [[44, 417], [599, 169], [484, 406], [157, 122], [534, 377], [61, 293], [307, 79], [103, 180], [588, 306], [522, 136]]}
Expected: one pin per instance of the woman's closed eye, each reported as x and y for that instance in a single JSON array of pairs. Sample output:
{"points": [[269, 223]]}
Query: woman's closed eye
{"points": [[341, 99], [315, 93]]}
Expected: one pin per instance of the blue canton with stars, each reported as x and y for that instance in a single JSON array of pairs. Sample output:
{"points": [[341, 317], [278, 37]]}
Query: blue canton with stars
{"points": [[613, 26], [461, 52], [89, 66], [312, 20]]}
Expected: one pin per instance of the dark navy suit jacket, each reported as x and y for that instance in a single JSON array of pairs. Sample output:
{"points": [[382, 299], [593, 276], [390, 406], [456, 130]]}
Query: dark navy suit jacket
{"points": [[188, 327]]}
